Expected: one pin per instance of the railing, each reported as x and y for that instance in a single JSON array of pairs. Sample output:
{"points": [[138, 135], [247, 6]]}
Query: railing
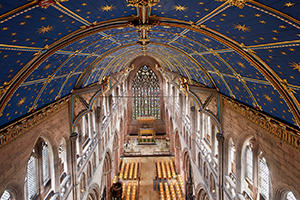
{"points": [[55, 196], [230, 186], [87, 150], [65, 184]]}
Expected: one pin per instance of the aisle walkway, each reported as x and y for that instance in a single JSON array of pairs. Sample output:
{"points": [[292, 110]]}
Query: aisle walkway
{"points": [[147, 176]]}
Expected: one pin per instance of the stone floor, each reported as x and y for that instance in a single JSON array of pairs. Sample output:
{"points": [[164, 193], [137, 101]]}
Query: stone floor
{"points": [[161, 145]]}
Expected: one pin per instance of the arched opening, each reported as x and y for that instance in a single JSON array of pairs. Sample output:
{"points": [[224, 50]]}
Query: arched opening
{"points": [[202, 195], [145, 94], [177, 151], [116, 153], [107, 176]]}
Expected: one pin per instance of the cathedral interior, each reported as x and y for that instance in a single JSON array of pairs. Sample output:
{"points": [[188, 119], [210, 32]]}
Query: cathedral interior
{"points": [[149, 99]]}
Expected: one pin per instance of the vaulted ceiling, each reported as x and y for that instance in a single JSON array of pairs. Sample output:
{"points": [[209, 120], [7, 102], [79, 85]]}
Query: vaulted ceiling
{"points": [[248, 50]]}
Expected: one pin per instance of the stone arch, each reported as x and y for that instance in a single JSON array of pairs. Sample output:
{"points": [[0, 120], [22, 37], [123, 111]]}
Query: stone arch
{"points": [[116, 152], [94, 192], [201, 193], [14, 190], [89, 170], [107, 173], [282, 191], [186, 165], [177, 151]]}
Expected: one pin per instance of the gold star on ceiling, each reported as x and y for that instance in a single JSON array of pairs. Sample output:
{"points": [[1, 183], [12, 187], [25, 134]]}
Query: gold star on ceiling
{"points": [[289, 4], [84, 4], [206, 39], [200, 3], [27, 16], [42, 18], [21, 101], [241, 64], [22, 23], [268, 98], [282, 26], [180, 8], [257, 15], [45, 29], [107, 8], [275, 31], [242, 27], [241, 15], [262, 21], [5, 28], [296, 66]]}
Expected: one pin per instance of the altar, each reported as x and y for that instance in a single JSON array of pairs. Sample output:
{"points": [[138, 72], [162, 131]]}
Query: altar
{"points": [[146, 134]]}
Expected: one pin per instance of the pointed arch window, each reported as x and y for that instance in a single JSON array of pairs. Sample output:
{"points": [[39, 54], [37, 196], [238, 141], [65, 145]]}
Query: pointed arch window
{"points": [[31, 177], [289, 196], [249, 160], [45, 160], [264, 177], [146, 94], [6, 195]]}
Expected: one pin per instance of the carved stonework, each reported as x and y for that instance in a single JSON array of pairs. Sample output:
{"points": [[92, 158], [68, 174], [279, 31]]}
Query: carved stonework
{"points": [[290, 136], [137, 3], [19, 128], [237, 3]]}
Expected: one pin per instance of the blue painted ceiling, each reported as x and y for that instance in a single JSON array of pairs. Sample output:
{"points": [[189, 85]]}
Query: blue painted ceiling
{"points": [[250, 54]]}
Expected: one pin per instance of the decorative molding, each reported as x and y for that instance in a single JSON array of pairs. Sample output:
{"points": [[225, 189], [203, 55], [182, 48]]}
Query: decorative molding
{"points": [[14, 131], [278, 129], [237, 3], [141, 3]]}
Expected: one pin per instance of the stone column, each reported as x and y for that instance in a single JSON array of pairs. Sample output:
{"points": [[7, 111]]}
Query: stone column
{"points": [[213, 139], [255, 171], [76, 189], [221, 148], [193, 131]]}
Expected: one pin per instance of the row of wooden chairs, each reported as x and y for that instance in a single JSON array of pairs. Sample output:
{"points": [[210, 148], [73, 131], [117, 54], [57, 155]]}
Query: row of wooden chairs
{"points": [[181, 181], [129, 170], [165, 169], [169, 192], [130, 192]]}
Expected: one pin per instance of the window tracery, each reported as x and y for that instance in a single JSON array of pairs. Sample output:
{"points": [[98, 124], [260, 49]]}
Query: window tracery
{"points": [[6, 195], [249, 160], [31, 177], [45, 160], [289, 196], [264, 177], [145, 93]]}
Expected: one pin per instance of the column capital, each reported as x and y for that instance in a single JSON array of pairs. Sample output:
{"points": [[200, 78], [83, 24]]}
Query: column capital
{"points": [[74, 136], [220, 137]]}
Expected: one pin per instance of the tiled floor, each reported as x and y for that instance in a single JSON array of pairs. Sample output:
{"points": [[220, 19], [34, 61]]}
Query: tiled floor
{"points": [[161, 145]]}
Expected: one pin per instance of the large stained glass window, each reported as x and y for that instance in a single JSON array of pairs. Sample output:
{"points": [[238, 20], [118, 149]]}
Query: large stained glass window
{"points": [[145, 93]]}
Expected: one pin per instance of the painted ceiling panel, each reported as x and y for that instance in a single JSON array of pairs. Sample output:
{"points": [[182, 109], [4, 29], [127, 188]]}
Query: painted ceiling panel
{"points": [[49, 93], [206, 41], [180, 47], [168, 29], [164, 35], [69, 85], [271, 102], [271, 37], [100, 10], [37, 27], [220, 84], [284, 61], [85, 64], [11, 63], [241, 66], [288, 7], [70, 65], [239, 90], [47, 68], [251, 26], [185, 10], [85, 42], [20, 103], [217, 64]]}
